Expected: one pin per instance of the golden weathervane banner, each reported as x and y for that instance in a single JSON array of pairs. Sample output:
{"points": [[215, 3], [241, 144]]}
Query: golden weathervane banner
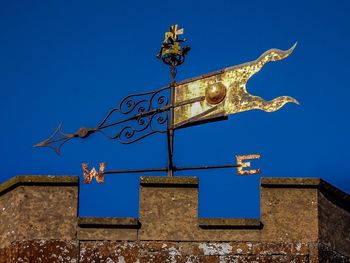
{"points": [[224, 92]]}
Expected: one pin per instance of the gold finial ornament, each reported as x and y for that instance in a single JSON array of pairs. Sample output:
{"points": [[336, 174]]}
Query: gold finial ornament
{"points": [[171, 51]]}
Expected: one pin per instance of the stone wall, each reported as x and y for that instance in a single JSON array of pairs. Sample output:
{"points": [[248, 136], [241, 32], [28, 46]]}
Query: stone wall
{"points": [[38, 207], [302, 220]]}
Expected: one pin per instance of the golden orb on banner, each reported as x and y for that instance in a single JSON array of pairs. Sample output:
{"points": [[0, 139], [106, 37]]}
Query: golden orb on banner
{"points": [[215, 93]]}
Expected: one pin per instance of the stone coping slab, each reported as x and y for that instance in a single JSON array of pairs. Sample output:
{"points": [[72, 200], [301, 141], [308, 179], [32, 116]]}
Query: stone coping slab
{"points": [[289, 182], [108, 222], [333, 193], [230, 223], [38, 180], [166, 181]]}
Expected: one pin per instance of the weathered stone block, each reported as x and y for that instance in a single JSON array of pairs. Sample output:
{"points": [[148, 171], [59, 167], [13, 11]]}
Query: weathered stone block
{"points": [[38, 207]]}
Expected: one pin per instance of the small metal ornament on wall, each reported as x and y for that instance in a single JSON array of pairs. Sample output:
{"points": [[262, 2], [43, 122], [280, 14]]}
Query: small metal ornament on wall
{"points": [[207, 98]]}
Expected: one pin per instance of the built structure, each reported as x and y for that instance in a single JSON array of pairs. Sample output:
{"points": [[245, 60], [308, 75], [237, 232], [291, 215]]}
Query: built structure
{"points": [[302, 220]]}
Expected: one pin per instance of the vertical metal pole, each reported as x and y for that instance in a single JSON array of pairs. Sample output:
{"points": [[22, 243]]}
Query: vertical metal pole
{"points": [[170, 130]]}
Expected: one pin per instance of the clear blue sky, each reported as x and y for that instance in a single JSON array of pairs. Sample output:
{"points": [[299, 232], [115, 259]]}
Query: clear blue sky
{"points": [[71, 61]]}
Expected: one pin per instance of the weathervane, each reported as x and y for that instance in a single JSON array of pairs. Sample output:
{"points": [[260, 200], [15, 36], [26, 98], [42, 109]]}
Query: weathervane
{"points": [[207, 98]]}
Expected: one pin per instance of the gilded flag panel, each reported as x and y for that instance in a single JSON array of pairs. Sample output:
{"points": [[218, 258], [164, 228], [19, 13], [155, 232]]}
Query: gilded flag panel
{"points": [[224, 92]]}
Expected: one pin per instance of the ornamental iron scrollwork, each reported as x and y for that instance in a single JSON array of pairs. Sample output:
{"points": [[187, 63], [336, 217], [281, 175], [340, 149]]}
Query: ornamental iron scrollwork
{"points": [[147, 114]]}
